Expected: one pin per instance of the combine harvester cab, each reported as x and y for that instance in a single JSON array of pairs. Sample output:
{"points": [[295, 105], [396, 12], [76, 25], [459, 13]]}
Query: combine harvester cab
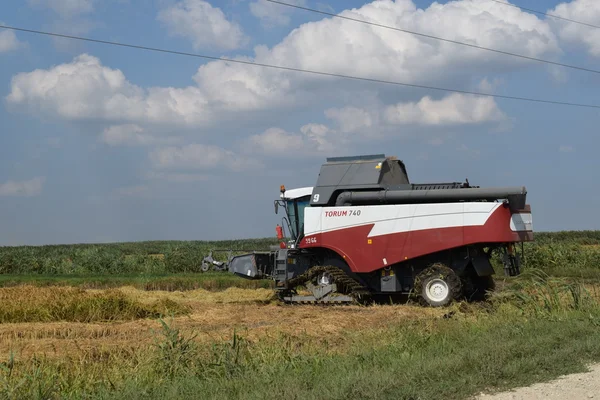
{"points": [[365, 230]]}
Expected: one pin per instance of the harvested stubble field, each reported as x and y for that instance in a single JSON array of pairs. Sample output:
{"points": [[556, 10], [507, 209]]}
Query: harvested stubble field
{"points": [[159, 334], [211, 316]]}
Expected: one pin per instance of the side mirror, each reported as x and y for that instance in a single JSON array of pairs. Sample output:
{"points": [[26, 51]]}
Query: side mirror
{"points": [[276, 207]]}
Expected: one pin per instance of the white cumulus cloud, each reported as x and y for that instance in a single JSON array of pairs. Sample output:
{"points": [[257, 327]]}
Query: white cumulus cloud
{"points": [[86, 89], [587, 11], [453, 109], [348, 47], [204, 25], [29, 188], [354, 125]]}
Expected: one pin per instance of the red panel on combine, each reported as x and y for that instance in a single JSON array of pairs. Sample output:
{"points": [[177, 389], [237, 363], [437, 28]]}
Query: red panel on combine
{"points": [[367, 254]]}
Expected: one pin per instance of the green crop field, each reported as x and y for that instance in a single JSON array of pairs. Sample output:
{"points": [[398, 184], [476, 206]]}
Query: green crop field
{"points": [[118, 258], [140, 320], [564, 254]]}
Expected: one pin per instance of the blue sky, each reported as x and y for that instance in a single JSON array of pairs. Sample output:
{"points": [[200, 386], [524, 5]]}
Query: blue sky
{"points": [[102, 143]]}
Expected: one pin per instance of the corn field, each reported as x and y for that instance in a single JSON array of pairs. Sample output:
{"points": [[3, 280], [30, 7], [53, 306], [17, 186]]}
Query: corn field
{"points": [[167, 257], [566, 253]]}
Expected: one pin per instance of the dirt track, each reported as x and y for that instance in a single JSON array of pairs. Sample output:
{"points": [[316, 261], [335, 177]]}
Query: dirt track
{"points": [[576, 386]]}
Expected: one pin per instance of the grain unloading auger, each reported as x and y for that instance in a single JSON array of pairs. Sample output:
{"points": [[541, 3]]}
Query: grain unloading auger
{"points": [[364, 230]]}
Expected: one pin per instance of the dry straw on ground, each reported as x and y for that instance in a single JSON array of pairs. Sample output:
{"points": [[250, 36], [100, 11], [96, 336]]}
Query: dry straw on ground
{"points": [[212, 315]]}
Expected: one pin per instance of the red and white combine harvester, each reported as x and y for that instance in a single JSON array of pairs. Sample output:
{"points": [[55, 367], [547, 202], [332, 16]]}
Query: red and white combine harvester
{"points": [[364, 231]]}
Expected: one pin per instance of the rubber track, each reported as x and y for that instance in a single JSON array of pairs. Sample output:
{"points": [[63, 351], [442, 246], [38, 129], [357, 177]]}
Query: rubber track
{"points": [[344, 283]]}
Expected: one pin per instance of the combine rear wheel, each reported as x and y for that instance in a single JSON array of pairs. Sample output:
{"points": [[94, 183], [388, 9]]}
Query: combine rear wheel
{"points": [[437, 286], [477, 287]]}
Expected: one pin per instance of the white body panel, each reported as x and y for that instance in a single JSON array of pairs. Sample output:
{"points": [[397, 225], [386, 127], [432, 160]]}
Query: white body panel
{"points": [[521, 222], [398, 218]]}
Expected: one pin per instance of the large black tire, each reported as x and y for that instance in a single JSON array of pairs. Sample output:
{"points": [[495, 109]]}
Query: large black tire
{"points": [[478, 287], [438, 286]]}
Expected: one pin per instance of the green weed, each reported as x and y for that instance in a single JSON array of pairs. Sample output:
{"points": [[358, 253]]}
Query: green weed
{"points": [[535, 291], [175, 352]]}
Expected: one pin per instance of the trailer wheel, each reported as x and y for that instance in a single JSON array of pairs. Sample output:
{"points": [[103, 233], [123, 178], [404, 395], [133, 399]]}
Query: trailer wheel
{"points": [[438, 286]]}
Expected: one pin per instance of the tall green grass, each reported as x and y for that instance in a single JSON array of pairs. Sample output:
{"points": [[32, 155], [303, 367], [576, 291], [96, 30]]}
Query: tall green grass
{"points": [[537, 293]]}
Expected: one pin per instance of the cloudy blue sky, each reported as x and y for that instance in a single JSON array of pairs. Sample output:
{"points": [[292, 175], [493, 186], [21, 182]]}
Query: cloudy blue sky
{"points": [[102, 143]]}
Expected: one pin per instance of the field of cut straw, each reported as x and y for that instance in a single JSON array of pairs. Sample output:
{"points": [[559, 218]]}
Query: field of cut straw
{"points": [[138, 320]]}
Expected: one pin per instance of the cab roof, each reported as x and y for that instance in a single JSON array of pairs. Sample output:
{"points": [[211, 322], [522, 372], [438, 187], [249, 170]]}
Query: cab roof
{"points": [[293, 194]]}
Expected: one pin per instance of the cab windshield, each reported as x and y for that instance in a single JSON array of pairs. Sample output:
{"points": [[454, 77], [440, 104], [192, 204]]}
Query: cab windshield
{"points": [[295, 214]]}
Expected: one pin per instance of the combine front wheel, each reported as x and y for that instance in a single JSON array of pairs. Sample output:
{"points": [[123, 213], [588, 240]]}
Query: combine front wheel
{"points": [[437, 286]]}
